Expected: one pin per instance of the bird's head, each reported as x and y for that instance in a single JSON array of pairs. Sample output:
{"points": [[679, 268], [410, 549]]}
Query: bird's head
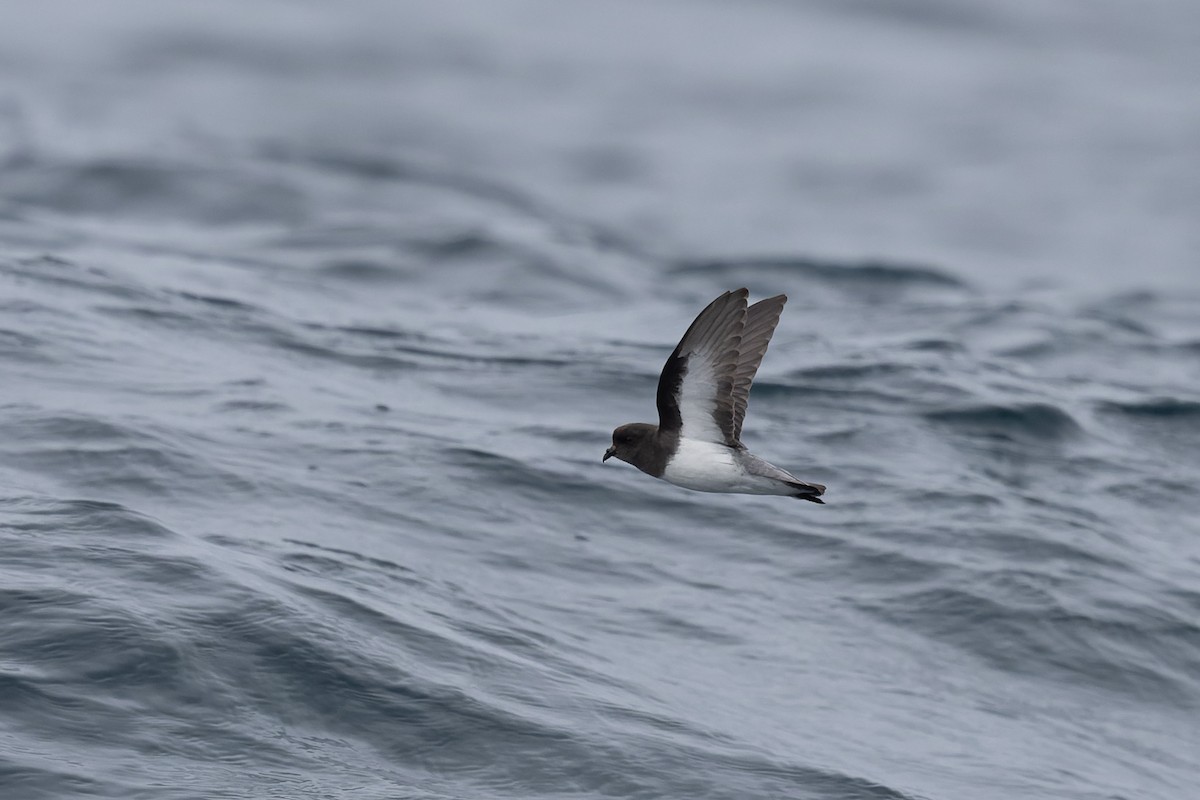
{"points": [[628, 440]]}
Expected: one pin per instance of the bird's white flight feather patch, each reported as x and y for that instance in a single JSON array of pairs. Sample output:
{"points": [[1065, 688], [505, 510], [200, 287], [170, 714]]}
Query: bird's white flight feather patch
{"points": [[697, 401]]}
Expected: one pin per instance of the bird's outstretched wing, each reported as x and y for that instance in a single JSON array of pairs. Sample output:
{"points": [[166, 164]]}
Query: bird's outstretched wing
{"points": [[696, 387], [705, 384], [761, 319]]}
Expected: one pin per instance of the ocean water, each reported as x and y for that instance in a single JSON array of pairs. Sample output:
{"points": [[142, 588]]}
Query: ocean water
{"points": [[315, 320]]}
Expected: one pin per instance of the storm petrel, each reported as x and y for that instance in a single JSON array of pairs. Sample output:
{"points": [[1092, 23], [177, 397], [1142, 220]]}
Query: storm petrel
{"points": [[702, 395]]}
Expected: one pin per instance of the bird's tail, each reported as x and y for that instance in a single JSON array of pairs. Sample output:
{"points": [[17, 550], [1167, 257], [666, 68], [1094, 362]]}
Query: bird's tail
{"points": [[808, 491]]}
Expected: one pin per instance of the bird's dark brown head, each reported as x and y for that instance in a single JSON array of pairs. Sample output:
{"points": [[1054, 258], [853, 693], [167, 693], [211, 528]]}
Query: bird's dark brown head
{"points": [[631, 443]]}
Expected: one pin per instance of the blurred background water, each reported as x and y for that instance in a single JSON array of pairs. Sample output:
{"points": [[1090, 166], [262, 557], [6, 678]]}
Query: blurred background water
{"points": [[315, 320]]}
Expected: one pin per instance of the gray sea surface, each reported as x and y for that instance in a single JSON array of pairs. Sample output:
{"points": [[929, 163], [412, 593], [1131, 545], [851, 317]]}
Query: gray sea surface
{"points": [[315, 319]]}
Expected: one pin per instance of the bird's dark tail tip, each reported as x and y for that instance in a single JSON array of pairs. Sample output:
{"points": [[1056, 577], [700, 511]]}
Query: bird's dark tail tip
{"points": [[809, 491]]}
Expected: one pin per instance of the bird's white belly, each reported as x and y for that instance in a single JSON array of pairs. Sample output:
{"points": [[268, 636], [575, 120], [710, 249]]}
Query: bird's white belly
{"points": [[711, 467]]}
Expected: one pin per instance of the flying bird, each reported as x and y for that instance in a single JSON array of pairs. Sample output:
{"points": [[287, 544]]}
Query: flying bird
{"points": [[702, 396]]}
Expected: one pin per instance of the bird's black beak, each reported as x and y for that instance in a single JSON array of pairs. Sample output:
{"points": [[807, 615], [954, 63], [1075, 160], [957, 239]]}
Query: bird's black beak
{"points": [[609, 453]]}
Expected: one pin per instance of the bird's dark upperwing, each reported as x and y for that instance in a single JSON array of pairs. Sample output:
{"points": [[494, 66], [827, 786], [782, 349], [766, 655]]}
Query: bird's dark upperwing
{"points": [[761, 319], [696, 390]]}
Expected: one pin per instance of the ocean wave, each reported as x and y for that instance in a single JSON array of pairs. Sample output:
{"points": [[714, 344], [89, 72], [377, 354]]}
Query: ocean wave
{"points": [[150, 190], [1029, 422], [1167, 410], [1020, 622], [871, 277]]}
